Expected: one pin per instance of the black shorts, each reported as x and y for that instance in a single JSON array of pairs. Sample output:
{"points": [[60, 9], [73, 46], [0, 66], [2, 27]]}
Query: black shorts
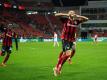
{"points": [[6, 49], [66, 45]]}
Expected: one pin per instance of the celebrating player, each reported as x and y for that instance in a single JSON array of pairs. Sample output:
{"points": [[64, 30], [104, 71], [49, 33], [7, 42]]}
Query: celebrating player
{"points": [[68, 37]]}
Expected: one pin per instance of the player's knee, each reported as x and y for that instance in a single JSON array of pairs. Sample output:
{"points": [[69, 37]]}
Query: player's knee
{"points": [[2, 53], [68, 52]]}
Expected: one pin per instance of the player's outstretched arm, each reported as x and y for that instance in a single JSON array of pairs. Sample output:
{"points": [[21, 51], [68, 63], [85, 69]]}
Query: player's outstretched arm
{"points": [[8, 35], [61, 14], [82, 18]]}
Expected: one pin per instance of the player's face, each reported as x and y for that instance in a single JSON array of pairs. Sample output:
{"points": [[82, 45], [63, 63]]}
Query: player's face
{"points": [[71, 14]]}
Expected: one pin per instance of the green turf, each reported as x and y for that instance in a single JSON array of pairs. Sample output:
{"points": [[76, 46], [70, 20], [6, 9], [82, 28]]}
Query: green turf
{"points": [[35, 61]]}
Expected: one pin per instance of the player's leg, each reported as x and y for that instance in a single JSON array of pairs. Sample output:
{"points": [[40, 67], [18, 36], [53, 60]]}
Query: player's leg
{"points": [[72, 52], [59, 59], [63, 48], [61, 53], [63, 58], [16, 41], [57, 43], [5, 59], [55, 69], [54, 43], [2, 52], [8, 49], [95, 40]]}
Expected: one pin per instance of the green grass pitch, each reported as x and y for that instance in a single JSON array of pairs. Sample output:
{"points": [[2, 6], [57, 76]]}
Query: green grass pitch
{"points": [[35, 61]]}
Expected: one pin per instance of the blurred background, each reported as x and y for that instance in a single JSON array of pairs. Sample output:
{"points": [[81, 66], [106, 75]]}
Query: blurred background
{"points": [[35, 18]]}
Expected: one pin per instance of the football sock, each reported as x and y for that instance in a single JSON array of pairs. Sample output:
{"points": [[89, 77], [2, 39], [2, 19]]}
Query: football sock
{"points": [[6, 58], [61, 53], [61, 61]]}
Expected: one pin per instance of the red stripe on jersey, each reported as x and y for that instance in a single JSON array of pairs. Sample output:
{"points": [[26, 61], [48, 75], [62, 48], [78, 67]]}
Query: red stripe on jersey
{"points": [[7, 41], [69, 30]]}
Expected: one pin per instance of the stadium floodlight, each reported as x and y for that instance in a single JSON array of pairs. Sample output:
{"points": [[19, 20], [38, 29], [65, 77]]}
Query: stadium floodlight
{"points": [[29, 13], [14, 6], [49, 13], [54, 12], [35, 12], [10, 24]]}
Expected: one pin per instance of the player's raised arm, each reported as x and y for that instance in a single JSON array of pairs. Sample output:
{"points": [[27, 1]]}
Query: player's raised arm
{"points": [[82, 18], [61, 14]]}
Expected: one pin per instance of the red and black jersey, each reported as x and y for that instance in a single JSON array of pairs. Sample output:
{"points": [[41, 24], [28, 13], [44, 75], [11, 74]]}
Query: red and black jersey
{"points": [[7, 38], [69, 29]]}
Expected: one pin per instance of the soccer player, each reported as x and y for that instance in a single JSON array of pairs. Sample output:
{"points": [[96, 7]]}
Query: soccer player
{"points": [[15, 38], [56, 39], [95, 38], [6, 45], [68, 37]]}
